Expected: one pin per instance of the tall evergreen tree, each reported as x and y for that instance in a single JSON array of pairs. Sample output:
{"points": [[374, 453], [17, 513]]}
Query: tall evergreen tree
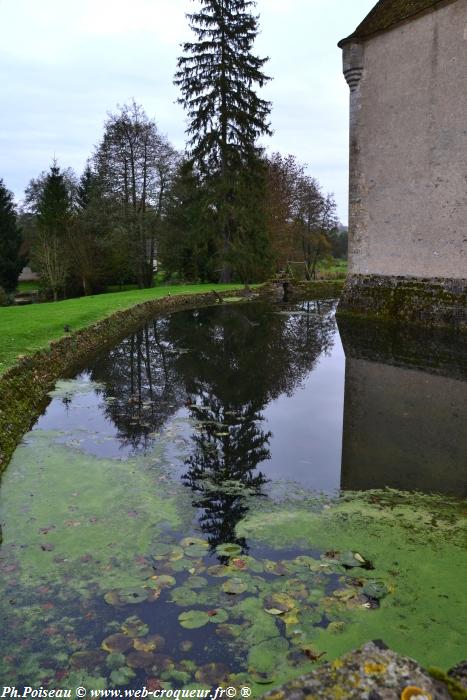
{"points": [[217, 76], [49, 251], [11, 262]]}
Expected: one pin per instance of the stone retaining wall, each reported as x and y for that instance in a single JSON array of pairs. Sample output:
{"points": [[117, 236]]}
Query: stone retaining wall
{"points": [[430, 301]]}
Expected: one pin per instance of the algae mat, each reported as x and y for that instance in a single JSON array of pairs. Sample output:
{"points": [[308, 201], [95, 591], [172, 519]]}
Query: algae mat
{"points": [[106, 581]]}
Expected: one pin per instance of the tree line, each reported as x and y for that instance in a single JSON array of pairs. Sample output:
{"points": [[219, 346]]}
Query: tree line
{"points": [[223, 210]]}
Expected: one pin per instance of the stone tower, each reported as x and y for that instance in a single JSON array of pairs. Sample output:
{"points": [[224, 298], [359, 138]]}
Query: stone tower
{"points": [[406, 66]]}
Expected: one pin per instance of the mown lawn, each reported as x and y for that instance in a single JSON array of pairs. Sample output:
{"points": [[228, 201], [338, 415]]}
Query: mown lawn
{"points": [[25, 329]]}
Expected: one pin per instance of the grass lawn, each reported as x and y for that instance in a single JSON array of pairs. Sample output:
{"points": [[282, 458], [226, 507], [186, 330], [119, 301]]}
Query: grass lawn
{"points": [[25, 329], [332, 269], [29, 286]]}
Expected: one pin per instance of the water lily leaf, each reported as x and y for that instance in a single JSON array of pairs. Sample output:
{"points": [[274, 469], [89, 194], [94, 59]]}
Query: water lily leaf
{"points": [[140, 659], [89, 659], [352, 559], [112, 598], [194, 542], [176, 553], [229, 631], [279, 603], [153, 642], [117, 643], [163, 581], [375, 589], [229, 549], [115, 660], [193, 619], [234, 586], [184, 596], [133, 596], [218, 615], [121, 676], [196, 582], [134, 627], [195, 551], [212, 674], [265, 657], [218, 570], [161, 550], [262, 677]]}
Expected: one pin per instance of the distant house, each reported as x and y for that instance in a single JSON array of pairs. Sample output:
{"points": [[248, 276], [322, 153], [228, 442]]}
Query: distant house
{"points": [[406, 66]]}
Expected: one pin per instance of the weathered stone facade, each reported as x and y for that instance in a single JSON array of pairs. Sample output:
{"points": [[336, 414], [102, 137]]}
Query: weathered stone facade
{"points": [[406, 66]]}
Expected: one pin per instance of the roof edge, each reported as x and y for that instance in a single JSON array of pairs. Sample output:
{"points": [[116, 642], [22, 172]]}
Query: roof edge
{"points": [[362, 35]]}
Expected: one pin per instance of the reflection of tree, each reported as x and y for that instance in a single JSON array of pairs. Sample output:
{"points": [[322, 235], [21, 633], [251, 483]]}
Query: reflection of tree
{"points": [[243, 358], [141, 383], [221, 470], [239, 359]]}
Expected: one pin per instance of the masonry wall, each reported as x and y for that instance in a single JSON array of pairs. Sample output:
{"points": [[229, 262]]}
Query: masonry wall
{"points": [[408, 154]]}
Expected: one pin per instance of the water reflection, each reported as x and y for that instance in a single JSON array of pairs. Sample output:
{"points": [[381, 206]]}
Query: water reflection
{"points": [[405, 412]]}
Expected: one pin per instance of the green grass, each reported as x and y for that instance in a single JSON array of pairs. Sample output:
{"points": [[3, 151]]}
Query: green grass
{"points": [[332, 268], [26, 329], [31, 286]]}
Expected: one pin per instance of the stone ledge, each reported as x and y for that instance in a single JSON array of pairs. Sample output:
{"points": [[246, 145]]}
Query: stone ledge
{"points": [[373, 672], [426, 301]]}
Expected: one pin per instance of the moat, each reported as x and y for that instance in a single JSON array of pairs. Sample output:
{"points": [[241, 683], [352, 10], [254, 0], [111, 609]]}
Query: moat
{"points": [[234, 494]]}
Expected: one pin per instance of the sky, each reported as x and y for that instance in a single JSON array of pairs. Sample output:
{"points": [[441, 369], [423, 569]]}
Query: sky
{"points": [[64, 64]]}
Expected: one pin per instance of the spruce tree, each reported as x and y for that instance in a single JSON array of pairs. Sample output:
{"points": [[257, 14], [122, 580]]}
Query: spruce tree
{"points": [[217, 76], [11, 262]]}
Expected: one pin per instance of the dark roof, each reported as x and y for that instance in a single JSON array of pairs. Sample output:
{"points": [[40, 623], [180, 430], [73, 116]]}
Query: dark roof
{"points": [[388, 13]]}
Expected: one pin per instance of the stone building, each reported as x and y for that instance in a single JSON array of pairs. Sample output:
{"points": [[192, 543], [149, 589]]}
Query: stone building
{"points": [[406, 66]]}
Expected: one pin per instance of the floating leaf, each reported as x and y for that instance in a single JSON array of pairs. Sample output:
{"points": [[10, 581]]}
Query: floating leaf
{"points": [[353, 559], [230, 549], [184, 596], [152, 643], [121, 676], [134, 627], [229, 631], [163, 581], [279, 603], [112, 598], [161, 550], [234, 586], [196, 582], [117, 643], [89, 659], [193, 619], [218, 570], [140, 659], [115, 660], [194, 542], [375, 589], [132, 596], [212, 674], [218, 615]]}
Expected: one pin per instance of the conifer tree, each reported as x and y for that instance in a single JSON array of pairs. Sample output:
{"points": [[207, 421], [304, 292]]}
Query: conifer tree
{"points": [[11, 262], [217, 76]]}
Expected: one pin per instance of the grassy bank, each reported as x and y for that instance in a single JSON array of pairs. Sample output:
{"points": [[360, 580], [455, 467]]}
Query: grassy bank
{"points": [[26, 329]]}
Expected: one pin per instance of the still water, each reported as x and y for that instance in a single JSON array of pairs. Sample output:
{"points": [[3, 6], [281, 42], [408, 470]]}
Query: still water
{"points": [[234, 494]]}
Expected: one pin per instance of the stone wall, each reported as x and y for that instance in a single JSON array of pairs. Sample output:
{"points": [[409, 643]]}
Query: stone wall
{"points": [[427, 301], [408, 146]]}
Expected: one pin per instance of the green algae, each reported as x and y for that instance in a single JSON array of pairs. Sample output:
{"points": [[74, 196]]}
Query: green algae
{"points": [[413, 541], [67, 513]]}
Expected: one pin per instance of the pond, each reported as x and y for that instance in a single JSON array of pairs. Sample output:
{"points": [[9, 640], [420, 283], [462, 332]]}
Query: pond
{"points": [[234, 494]]}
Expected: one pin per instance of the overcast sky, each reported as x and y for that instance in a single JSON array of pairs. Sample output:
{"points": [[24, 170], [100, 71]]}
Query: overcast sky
{"points": [[65, 63]]}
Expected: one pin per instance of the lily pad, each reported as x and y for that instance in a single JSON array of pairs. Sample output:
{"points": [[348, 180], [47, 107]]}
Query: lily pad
{"points": [[115, 660], [134, 627], [279, 603], [154, 642], [218, 615], [352, 559], [193, 619], [140, 659], [117, 643], [121, 676], [196, 582], [184, 596], [163, 581], [212, 674], [375, 589], [218, 570], [228, 549], [234, 586], [89, 659], [113, 598], [133, 596]]}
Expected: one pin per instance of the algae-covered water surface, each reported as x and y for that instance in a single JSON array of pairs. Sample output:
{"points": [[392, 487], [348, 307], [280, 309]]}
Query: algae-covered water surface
{"points": [[233, 495]]}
